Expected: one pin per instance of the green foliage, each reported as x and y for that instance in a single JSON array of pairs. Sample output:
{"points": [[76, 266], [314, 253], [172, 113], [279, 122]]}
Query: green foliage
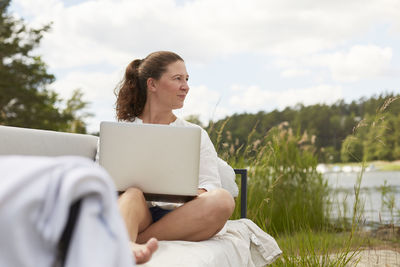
{"points": [[388, 200], [25, 100], [310, 248], [285, 192], [352, 149], [299, 194], [376, 137], [291, 201], [330, 124], [194, 119], [380, 142], [329, 154], [75, 113]]}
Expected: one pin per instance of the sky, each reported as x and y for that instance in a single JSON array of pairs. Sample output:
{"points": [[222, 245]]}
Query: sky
{"points": [[242, 56]]}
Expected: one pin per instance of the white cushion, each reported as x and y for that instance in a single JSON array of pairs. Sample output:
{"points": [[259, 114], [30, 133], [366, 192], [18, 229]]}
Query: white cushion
{"points": [[24, 141], [227, 175]]}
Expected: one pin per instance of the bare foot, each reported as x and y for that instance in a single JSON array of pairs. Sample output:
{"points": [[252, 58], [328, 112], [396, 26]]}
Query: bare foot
{"points": [[143, 252]]}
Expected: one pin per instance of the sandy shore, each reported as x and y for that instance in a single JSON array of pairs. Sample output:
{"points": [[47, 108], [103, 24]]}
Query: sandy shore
{"points": [[375, 258]]}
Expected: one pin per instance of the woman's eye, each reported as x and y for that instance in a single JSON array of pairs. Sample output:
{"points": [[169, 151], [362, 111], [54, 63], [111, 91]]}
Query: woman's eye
{"points": [[180, 78]]}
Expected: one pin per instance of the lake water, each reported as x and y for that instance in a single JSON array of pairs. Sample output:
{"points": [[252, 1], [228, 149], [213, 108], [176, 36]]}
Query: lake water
{"points": [[375, 209]]}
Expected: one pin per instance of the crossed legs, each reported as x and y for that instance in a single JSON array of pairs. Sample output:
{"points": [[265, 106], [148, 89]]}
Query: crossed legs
{"points": [[196, 220]]}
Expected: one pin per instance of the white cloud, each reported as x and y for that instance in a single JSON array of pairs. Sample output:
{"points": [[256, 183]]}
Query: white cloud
{"points": [[357, 63], [361, 62], [109, 31], [38, 12], [294, 72], [390, 10], [203, 102], [96, 85], [253, 98], [98, 89], [96, 38]]}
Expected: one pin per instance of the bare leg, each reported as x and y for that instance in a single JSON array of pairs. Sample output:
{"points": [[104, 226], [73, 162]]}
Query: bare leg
{"points": [[137, 217], [196, 220]]}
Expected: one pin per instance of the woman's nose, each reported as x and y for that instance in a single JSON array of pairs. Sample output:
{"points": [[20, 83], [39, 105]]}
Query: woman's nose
{"points": [[185, 86]]}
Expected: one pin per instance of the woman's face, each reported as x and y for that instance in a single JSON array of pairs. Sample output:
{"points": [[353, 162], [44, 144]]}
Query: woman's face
{"points": [[172, 87]]}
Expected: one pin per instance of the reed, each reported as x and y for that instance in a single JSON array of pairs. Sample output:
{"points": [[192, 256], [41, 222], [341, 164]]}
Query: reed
{"points": [[285, 192], [288, 198]]}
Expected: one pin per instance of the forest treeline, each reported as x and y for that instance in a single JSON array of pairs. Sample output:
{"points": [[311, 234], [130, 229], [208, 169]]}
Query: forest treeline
{"points": [[366, 129]]}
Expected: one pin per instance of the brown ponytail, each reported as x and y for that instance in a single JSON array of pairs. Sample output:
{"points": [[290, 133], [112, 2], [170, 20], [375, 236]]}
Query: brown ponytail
{"points": [[132, 91]]}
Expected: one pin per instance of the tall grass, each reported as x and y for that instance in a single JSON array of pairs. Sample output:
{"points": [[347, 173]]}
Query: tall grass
{"points": [[388, 200], [287, 197], [285, 192]]}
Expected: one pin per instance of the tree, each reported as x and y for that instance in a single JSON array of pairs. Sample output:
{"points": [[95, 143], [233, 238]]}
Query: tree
{"points": [[352, 149], [75, 114], [25, 100], [380, 143], [194, 119]]}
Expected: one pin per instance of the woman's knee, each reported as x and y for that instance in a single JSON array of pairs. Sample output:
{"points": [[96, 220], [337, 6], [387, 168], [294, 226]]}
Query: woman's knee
{"points": [[222, 204], [132, 194]]}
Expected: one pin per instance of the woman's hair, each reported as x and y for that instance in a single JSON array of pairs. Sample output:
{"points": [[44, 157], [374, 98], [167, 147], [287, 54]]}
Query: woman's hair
{"points": [[132, 90]]}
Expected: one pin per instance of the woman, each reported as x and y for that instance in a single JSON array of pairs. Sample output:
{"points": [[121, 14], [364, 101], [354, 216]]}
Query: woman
{"points": [[151, 89]]}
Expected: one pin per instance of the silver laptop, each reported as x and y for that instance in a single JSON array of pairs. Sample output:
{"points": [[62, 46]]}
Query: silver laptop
{"points": [[161, 160]]}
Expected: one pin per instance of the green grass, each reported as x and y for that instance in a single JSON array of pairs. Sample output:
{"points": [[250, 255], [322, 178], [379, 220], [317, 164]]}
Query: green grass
{"points": [[387, 166], [290, 200], [379, 165], [285, 192], [326, 248], [319, 240], [309, 248]]}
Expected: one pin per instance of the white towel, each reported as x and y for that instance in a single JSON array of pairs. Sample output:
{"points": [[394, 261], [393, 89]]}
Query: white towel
{"points": [[35, 196]]}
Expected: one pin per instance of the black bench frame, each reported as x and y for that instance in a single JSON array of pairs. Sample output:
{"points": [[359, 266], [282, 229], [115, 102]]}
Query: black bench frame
{"points": [[243, 191]]}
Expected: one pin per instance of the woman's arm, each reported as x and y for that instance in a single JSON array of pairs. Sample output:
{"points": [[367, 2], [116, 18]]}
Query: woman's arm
{"points": [[208, 172]]}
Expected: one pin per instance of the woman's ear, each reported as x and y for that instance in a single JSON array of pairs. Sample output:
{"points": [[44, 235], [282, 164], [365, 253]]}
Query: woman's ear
{"points": [[151, 85]]}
